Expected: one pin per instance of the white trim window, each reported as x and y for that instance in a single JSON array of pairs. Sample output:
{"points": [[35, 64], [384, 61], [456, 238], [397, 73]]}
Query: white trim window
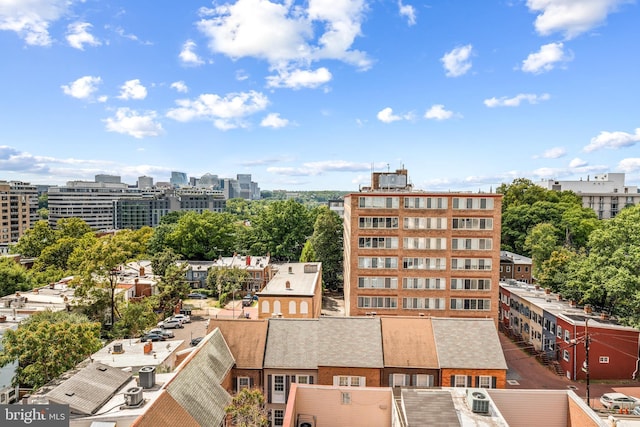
{"points": [[484, 381], [369, 282], [565, 355], [378, 202], [349, 381], [421, 223], [377, 302], [460, 381], [278, 417], [243, 382], [603, 359], [277, 389], [302, 379], [424, 380]]}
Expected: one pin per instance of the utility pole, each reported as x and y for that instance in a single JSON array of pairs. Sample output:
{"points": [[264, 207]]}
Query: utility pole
{"points": [[586, 360]]}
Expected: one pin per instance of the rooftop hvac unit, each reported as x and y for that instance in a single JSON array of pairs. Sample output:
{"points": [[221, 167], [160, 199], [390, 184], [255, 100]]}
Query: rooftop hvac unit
{"points": [[118, 348], [478, 401], [133, 396], [147, 376]]}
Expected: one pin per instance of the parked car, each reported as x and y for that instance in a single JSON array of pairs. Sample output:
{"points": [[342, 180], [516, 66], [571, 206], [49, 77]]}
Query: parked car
{"points": [[197, 295], [170, 324], [617, 401], [247, 301], [184, 318], [153, 337], [166, 333], [636, 411], [196, 341]]}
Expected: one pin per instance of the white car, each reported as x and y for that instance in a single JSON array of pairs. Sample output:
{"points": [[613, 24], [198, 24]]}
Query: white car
{"points": [[617, 401], [170, 323], [184, 318], [160, 331]]}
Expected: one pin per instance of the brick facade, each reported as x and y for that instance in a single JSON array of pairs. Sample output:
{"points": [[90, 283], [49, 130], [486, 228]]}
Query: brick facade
{"points": [[499, 377]]}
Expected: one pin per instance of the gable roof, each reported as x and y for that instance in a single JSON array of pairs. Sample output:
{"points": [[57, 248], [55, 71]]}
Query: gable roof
{"points": [[292, 344], [354, 342], [246, 340], [408, 342], [89, 388], [456, 337], [196, 388]]}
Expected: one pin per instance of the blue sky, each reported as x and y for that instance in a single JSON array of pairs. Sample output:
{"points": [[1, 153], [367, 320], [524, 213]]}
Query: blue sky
{"points": [[313, 95]]}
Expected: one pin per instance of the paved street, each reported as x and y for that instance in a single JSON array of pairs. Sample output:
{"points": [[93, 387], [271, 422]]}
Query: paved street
{"points": [[528, 373]]}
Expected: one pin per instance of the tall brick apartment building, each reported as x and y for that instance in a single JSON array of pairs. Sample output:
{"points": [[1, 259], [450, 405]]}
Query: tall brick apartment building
{"points": [[420, 253]]}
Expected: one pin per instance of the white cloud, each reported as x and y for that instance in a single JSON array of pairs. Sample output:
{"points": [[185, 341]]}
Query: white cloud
{"points": [[577, 163], [286, 33], [553, 153], [78, 35], [516, 100], [571, 17], [613, 140], [629, 165], [545, 59], [130, 122], [180, 86], [318, 168], [438, 112], [226, 112], [31, 19], [273, 120], [386, 115], [407, 11], [132, 89], [297, 79], [82, 88], [241, 75], [188, 55], [457, 62]]}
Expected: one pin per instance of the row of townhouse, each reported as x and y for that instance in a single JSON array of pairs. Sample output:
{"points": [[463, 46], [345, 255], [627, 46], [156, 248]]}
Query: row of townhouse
{"points": [[408, 252], [275, 353], [562, 331]]}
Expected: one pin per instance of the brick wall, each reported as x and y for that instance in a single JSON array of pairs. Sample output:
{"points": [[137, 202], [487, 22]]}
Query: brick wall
{"points": [[499, 374], [372, 375]]}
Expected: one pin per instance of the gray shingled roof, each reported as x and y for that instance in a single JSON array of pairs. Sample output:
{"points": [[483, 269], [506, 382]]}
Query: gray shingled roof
{"points": [[424, 408], [350, 342], [88, 389], [292, 343], [196, 387], [468, 343]]}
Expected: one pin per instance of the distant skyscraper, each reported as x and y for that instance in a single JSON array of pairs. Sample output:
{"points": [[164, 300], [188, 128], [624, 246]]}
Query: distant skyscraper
{"points": [[145, 182], [19, 209], [178, 179], [110, 179], [209, 181]]}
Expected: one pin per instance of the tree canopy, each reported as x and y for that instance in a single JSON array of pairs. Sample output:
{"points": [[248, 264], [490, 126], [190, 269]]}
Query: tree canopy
{"points": [[13, 277], [326, 246], [248, 409]]}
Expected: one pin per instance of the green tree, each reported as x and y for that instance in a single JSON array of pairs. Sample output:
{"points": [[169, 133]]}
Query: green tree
{"points": [[172, 288], [557, 269], [48, 344], [159, 240], [308, 254], [72, 227], [135, 317], [203, 236], [609, 277], [281, 229], [160, 261], [248, 409], [327, 242], [541, 241], [35, 239], [225, 281], [13, 277]]}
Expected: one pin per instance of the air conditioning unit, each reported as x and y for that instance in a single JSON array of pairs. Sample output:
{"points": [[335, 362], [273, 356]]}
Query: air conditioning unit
{"points": [[147, 376], [478, 401], [133, 396], [118, 348], [306, 421]]}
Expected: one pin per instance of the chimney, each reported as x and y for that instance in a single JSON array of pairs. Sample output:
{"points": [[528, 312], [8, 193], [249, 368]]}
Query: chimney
{"points": [[141, 271], [248, 260], [290, 270], [288, 285]]}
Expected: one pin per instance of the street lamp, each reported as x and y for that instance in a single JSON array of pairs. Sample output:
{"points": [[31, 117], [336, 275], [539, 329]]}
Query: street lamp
{"points": [[113, 282], [233, 304]]}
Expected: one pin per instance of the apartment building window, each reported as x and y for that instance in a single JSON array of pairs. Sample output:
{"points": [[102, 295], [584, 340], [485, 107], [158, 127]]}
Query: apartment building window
{"points": [[378, 282], [471, 284], [423, 283], [603, 359], [423, 303], [472, 203], [377, 262], [508, 267], [567, 336], [470, 304], [378, 222], [565, 355], [424, 263], [377, 302], [349, 381], [472, 223], [471, 244], [278, 417], [471, 263], [379, 202], [425, 203], [424, 243], [378, 242], [413, 223]]}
